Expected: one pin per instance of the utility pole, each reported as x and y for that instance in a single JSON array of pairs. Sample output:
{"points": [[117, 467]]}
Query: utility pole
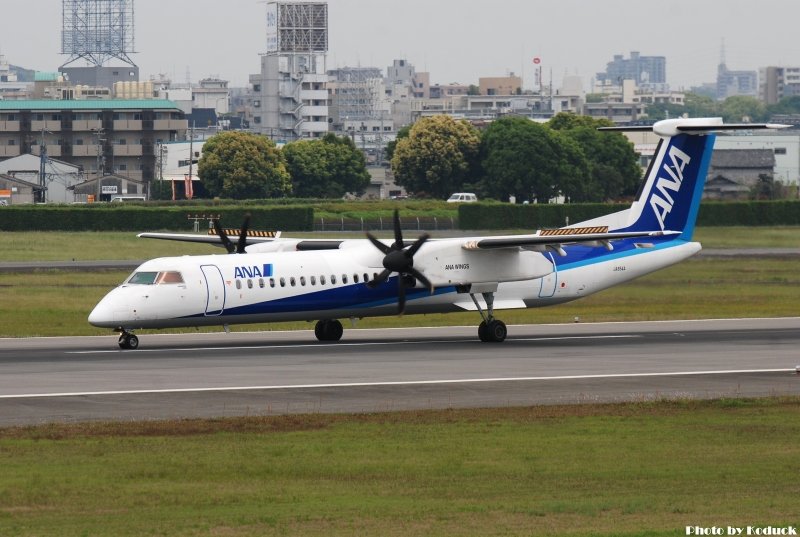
{"points": [[41, 197]]}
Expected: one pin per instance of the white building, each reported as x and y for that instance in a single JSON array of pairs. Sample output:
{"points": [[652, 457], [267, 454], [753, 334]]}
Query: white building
{"points": [[290, 94]]}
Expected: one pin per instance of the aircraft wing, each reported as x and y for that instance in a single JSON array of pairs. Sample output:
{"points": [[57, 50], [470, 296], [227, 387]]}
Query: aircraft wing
{"points": [[554, 238], [253, 237], [205, 239]]}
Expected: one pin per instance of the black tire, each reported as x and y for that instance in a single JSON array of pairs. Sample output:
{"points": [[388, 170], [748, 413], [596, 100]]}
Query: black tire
{"points": [[319, 330], [483, 332], [133, 342], [335, 330], [497, 331]]}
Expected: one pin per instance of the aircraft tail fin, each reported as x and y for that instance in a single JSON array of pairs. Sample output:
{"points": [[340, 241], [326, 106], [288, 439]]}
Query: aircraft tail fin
{"points": [[673, 186]]}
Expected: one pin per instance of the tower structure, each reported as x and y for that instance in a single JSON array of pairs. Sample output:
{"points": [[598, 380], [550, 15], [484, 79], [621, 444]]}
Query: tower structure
{"points": [[98, 32], [290, 94]]}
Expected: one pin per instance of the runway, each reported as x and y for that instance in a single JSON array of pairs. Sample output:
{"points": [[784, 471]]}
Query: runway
{"points": [[211, 375]]}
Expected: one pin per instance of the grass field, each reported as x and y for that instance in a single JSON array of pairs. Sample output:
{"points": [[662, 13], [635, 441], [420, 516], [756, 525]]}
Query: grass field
{"points": [[636, 470], [640, 469], [82, 246]]}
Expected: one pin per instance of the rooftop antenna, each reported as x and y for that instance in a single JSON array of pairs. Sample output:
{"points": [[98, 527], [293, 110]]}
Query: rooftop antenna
{"points": [[97, 31]]}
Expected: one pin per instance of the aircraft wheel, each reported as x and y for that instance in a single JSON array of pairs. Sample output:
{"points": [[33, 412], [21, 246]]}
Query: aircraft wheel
{"points": [[128, 341], [497, 331], [319, 330], [133, 342], [328, 330], [483, 332], [335, 330]]}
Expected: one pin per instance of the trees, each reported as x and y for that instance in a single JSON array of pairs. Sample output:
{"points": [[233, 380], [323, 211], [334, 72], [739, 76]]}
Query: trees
{"points": [[437, 156], [613, 165], [326, 168], [528, 160], [242, 165]]}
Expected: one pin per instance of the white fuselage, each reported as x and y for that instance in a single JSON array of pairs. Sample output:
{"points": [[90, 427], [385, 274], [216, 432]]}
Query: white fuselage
{"points": [[330, 284]]}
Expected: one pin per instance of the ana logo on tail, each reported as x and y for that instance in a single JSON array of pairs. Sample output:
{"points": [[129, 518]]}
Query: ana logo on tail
{"points": [[662, 204]]}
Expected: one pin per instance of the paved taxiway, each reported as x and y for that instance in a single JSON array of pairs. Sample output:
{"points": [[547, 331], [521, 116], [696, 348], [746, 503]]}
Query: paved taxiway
{"points": [[200, 375]]}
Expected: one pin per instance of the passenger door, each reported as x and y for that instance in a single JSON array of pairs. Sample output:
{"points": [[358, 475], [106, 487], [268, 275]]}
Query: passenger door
{"points": [[215, 287]]}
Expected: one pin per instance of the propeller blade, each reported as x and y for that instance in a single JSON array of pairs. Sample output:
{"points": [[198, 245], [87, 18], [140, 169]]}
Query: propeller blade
{"points": [[378, 244], [401, 296], [417, 245], [242, 243], [398, 234], [226, 242], [382, 277], [421, 277]]}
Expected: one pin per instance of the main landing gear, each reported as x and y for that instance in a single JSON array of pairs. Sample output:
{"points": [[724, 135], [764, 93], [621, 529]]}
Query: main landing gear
{"points": [[491, 330], [328, 330], [128, 341]]}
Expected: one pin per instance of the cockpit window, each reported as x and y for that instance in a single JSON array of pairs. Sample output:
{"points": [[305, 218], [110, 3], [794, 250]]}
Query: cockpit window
{"points": [[143, 278], [169, 277], [157, 278]]}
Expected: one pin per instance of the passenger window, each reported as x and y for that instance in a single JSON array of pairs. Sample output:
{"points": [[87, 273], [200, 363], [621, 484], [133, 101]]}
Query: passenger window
{"points": [[283, 282], [313, 280], [238, 284], [272, 282], [322, 280], [333, 279], [292, 281], [303, 281], [366, 277], [344, 279], [249, 284], [355, 278], [261, 282]]}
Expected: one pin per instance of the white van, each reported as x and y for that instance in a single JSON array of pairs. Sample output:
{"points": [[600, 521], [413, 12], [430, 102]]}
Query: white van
{"points": [[462, 197], [122, 199]]}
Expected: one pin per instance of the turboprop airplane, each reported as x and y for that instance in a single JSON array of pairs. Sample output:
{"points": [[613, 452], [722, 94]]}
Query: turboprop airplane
{"points": [[283, 279]]}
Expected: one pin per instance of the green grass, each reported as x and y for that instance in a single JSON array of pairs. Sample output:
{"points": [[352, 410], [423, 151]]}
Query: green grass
{"points": [[64, 246], [630, 469]]}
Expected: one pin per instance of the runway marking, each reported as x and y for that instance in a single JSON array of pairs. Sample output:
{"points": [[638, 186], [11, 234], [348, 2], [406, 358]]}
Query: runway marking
{"points": [[395, 383], [342, 344]]}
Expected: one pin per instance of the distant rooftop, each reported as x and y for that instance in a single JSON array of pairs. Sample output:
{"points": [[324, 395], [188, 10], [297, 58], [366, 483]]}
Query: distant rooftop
{"points": [[104, 104], [45, 76]]}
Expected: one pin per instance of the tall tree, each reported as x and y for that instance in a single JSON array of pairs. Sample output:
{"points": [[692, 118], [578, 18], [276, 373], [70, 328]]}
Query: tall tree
{"points": [[528, 160], [614, 169], [438, 155], [326, 168], [242, 165]]}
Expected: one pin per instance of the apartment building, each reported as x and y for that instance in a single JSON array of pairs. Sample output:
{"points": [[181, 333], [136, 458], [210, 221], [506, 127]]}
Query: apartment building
{"points": [[100, 136]]}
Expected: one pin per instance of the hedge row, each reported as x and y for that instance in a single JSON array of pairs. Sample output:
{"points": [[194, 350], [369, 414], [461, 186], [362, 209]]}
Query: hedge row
{"points": [[108, 217], [531, 217]]}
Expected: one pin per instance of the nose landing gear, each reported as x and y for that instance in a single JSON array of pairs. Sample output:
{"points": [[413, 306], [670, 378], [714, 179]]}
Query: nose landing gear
{"points": [[128, 341]]}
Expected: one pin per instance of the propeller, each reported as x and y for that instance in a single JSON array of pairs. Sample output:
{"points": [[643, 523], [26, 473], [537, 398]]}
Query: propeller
{"points": [[399, 259], [232, 248]]}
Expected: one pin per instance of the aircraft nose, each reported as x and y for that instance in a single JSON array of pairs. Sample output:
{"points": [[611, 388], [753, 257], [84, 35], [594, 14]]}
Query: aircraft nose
{"points": [[101, 315]]}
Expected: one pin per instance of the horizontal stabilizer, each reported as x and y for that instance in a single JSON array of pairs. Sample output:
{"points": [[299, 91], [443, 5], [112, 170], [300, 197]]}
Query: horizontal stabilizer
{"points": [[673, 127]]}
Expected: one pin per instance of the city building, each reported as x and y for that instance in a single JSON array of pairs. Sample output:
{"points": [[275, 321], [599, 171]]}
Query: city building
{"points": [[775, 83], [290, 94], [731, 83], [502, 85], [643, 70], [100, 136]]}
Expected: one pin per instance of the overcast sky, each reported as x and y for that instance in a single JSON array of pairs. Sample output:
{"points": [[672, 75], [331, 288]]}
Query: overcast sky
{"points": [[455, 40]]}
